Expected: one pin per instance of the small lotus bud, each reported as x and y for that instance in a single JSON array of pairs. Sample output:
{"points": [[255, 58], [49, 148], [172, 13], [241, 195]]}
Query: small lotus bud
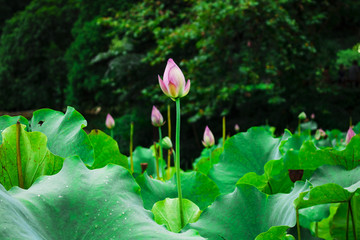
{"points": [[302, 116], [237, 128], [109, 122], [349, 135], [319, 134], [208, 139], [312, 116], [166, 143], [157, 119]]}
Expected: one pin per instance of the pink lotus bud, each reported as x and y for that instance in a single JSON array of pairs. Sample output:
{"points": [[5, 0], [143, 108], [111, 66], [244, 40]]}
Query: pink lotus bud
{"points": [[319, 134], [109, 122], [157, 119], [236, 127], [349, 135], [173, 83], [312, 116], [208, 140]]}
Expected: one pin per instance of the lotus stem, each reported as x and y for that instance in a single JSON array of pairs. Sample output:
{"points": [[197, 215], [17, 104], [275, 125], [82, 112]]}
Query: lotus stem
{"points": [[131, 146], [347, 223], [157, 161], [223, 130], [177, 160], [352, 219], [299, 130], [298, 224], [317, 229], [169, 135], [18, 155], [160, 149], [112, 133]]}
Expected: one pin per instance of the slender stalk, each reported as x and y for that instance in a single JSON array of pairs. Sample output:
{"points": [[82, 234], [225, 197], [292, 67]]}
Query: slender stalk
{"points": [[160, 137], [352, 219], [18, 155], [299, 126], [347, 222], [210, 155], [157, 161], [224, 130], [177, 160], [112, 133], [131, 146], [317, 229], [298, 224], [169, 135]]}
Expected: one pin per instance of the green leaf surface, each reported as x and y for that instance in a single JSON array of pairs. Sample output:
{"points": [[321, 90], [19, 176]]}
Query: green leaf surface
{"points": [[146, 155], [167, 212], [332, 184], [195, 186], [309, 157], [78, 203], [313, 214], [247, 212], [65, 133], [338, 224], [106, 150], [6, 121], [204, 164], [243, 153], [36, 159]]}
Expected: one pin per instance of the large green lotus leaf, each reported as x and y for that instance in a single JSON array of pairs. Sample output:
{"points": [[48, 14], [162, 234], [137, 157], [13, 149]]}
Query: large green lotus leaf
{"points": [[167, 212], [204, 164], [195, 186], [324, 225], [106, 150], [65, 133], [78, 203], [6, 121], [146, 155], [332, 184], [36, 159], [338, 225], [274, 180], [243, 153], [247, 212], [313, 214], [310, 157]]}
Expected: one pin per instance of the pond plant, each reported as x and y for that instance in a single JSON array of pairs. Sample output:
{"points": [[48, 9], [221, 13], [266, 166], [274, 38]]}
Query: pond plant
{"points": [[59, 182]]}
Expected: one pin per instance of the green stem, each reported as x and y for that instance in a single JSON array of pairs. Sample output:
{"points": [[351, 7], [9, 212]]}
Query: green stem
{"points": [[112, 133], [160, 137], [347, 223], [353, 220], [18, 155], [177, 160], [224, 130], [131, 146], [210, 156], [157, 161], [298, 224], [299, 126], [169, 135], [317, 229]]}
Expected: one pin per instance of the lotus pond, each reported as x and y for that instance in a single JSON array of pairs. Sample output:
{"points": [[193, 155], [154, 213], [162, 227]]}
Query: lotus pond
{"points": [[59, 182]]}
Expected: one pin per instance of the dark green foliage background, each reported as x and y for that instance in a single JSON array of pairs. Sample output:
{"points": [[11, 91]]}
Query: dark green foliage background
{"points": [[255, 61]]}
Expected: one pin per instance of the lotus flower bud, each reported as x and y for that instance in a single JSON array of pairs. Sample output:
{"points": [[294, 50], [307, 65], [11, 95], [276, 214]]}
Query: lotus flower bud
{"points": [[312, 116], [208, 140], [157, 119], [237, 128], [173, 82], [166, 143], [302, 116], [319, 134], [109, 122], [349, 135]]}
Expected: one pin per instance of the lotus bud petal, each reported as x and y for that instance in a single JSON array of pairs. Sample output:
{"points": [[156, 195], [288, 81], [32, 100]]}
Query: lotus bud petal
{"points": [[208, 139], [319, 134], [166, 143], [173, 82], [302, 116], [237, 128], [109, 122], [312, 116], [157, 119], [349, 135]]}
